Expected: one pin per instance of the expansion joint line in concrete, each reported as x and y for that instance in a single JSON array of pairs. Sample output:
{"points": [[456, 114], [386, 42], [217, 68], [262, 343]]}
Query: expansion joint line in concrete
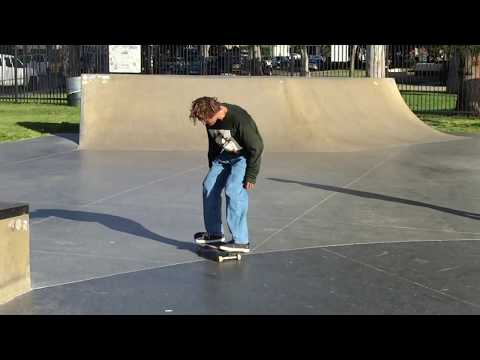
{"points": [[323, 247], [328, 197], [38, 158], [401, 278], [126, 191]]}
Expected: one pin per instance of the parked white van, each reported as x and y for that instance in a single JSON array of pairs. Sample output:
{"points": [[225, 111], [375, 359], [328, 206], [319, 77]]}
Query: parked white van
{"points": [[7, 71]]}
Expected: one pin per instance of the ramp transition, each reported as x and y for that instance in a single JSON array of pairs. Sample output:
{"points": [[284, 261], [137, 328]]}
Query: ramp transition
{"points": [[150, 112]]}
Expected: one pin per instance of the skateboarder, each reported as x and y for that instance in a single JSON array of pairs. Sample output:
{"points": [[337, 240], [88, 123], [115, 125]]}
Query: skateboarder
{"points": [[235, 148]]}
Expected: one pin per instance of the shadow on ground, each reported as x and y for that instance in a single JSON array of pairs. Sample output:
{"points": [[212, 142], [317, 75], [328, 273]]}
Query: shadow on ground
{"points": [[66, 130], [370, 195], [113, 222]]}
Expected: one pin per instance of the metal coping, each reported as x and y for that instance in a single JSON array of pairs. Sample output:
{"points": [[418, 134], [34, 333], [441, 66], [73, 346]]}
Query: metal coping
{"points": [[9, 210]]}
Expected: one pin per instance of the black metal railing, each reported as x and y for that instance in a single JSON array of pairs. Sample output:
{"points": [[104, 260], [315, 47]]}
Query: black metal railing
{"points": [[431, 78], [32, 73]]}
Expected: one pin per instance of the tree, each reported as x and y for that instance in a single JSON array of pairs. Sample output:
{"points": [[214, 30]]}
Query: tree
{"points": [[304, 61], [304, 55], [352, 59], [266, 51], [464, 77], [74, 64], [376, 61], [203, 51], [257, 60]]}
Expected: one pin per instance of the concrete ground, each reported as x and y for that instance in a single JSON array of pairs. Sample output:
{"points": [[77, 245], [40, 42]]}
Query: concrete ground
{"points": [[391, 231]]}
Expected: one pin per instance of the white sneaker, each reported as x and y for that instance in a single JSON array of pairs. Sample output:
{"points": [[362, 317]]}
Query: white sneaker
{"points": [[206, 238]]}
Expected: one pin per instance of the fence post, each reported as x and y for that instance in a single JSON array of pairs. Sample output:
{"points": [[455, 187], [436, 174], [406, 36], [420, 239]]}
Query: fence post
{"points": [[252, 57], [15, 72], [292, 60], [26, 74]]}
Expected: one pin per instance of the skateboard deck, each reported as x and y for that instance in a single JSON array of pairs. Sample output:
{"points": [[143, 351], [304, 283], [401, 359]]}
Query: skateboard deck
{"points": [[212, 252], [216, 254]]}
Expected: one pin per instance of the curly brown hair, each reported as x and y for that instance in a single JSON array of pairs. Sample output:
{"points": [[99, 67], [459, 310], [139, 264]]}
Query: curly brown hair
{"points": [[204, 108]]}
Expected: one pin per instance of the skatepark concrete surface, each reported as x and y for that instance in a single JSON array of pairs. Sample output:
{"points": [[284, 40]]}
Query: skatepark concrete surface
{"points": [[381, 231], [359, 208]]}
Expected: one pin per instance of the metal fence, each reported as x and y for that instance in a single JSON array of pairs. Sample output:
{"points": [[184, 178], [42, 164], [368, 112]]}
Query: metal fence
{"points": [[38, 73], [431, 78], [31, 73]]}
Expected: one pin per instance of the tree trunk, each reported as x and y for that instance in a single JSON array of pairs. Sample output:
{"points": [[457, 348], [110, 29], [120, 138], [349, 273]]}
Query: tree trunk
{"points": [[304, 55], [203, 58], [453, 73], [257, 60], [376, 61], [352, 59], [74, 68], [468, 99]]}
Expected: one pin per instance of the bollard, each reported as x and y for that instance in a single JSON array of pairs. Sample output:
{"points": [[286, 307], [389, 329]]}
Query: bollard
{"points": [[14, 251]]}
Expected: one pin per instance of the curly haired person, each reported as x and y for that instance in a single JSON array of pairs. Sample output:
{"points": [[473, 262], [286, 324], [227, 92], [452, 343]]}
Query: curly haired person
{"points": [[235, 149]]}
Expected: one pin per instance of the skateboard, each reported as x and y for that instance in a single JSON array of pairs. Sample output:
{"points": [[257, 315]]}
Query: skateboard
{"points": [[216, 254]]}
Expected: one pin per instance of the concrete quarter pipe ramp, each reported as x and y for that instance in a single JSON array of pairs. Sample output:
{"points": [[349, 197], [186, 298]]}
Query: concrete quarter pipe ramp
{"points": [[150, 112]]}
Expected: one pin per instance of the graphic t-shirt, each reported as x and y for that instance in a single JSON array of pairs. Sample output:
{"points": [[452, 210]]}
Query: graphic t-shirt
{"points": [[236, 134]]}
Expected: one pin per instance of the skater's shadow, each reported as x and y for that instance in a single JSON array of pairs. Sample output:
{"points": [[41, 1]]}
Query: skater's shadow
{"points": [[113, 222], [370, 195]]}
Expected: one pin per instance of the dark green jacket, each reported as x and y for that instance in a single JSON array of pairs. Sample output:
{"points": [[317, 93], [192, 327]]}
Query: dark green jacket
{"points": [[237, 131]]}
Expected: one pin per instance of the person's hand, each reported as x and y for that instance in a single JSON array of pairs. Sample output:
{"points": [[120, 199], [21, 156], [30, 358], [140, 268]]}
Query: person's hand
{"points": [[249, 185]]}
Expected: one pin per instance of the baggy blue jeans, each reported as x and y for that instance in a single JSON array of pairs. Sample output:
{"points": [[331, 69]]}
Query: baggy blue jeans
{"points": [[227, 172]]}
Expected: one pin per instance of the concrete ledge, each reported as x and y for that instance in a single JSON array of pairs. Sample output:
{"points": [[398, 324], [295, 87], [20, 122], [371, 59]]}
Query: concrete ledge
{"points": [[14, 251]]}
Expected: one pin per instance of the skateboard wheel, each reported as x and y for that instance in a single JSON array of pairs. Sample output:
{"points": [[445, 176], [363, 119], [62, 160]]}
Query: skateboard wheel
{"points": [[220, 259]]}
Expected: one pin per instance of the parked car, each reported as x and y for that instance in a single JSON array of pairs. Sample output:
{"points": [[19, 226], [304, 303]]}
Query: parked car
{"points": [[316, 62], [38, 63], [281, 62], [7, 71], [194, 67]]}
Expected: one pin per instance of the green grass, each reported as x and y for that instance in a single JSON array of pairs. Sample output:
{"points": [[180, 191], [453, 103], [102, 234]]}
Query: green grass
{"points": [[434, 102], [430, 106], [26, 121], [452, 124]]}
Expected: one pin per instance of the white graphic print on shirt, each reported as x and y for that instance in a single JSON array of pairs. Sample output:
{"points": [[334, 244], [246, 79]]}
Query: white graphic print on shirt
{"points": [[225, 140]]}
